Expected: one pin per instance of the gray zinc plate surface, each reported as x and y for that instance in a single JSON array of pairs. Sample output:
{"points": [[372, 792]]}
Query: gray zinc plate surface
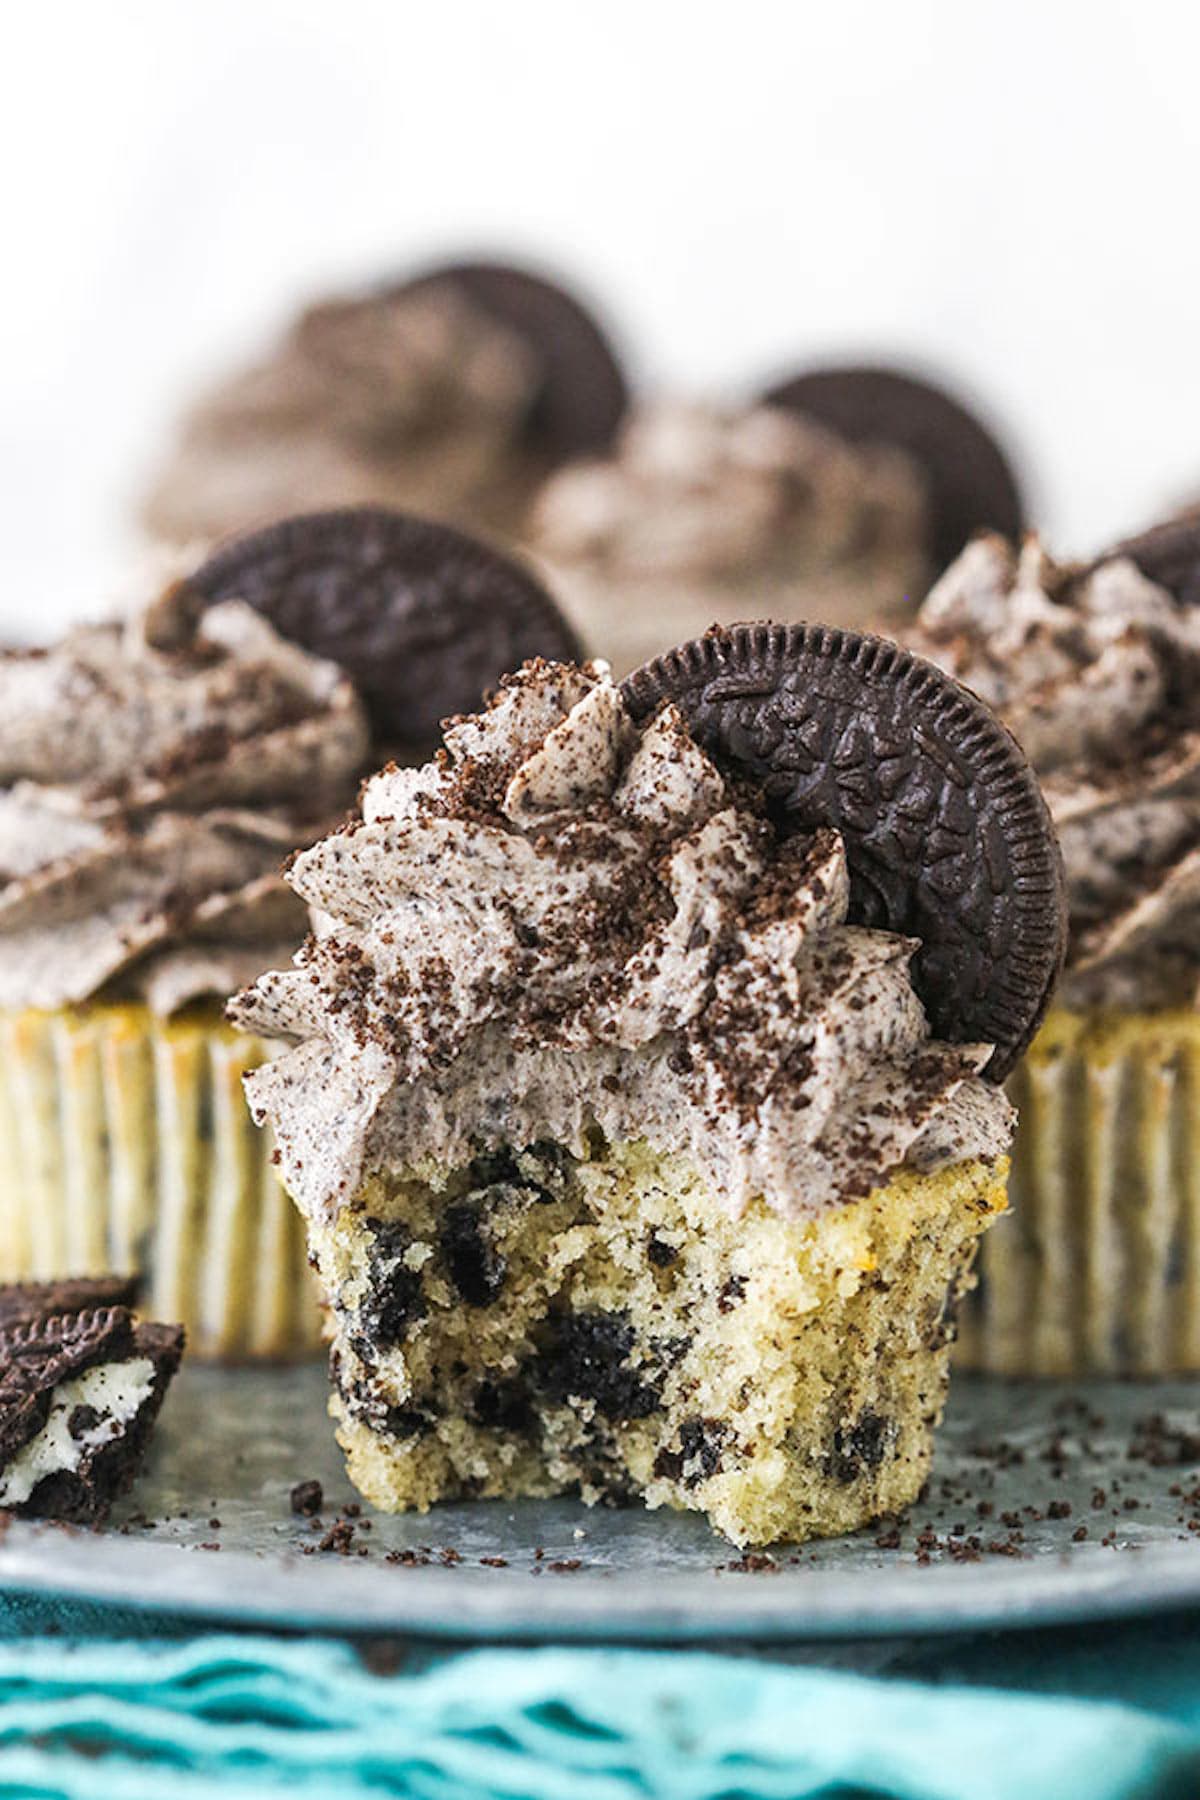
{"points": [[232, 1443]]}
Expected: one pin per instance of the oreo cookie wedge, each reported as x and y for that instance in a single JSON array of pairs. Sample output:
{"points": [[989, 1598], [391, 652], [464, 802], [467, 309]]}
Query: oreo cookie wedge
{"points": [[1168, 554], [971, 483], [421, 617], [582, 395], [79, 1394], [947, 836]]}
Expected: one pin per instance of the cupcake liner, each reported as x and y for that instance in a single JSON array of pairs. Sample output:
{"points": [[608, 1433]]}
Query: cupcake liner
{"points": [[130, 1148], [1097, 1271]]}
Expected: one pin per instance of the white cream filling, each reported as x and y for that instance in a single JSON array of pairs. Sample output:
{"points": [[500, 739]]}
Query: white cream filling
{"points": [[116, 1390]]}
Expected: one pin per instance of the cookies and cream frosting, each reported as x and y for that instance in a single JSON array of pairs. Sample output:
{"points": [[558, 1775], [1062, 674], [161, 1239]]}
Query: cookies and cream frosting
{"points": [[694, 491], [154, 773], [704, 516], [1097, 674], [412, 399], [568, 921]]}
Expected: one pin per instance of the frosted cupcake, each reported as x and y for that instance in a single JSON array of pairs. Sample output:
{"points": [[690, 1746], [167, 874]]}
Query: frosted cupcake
{"points": [[153, 775], [1097, 672], [451, 395], [631, 1166], [702, 516]]}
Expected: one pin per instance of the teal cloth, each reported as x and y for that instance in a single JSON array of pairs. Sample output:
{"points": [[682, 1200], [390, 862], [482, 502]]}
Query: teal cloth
{"points": [[1110, 1715]]}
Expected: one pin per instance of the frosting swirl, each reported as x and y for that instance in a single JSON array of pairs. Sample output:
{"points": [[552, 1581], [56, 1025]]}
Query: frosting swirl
{"points": [[568, 922], [1097, 674], [726, 514], [153, 775], [411, 399]]}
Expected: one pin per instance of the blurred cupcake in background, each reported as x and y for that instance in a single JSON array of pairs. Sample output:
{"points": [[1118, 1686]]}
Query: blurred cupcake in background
{"points": [[702, 517], [153, 774], [1096, 670], [484, 395], [452, 394], [832, 498], [970, 481]]}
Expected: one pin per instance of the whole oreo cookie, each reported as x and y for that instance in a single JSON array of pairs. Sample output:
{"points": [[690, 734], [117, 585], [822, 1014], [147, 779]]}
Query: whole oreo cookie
{"points": [[947, 835], [1168, 554], [971, 483], [422, 617], [582, 393]]}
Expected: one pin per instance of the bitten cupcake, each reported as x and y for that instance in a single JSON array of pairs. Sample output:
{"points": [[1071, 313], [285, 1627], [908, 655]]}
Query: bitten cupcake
{"points": [[453, 394], [153, 775], [1097, 672], [630, 1161]]}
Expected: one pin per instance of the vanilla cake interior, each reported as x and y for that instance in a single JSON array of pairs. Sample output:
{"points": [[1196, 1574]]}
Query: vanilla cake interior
{"points": [[540, 1322]]}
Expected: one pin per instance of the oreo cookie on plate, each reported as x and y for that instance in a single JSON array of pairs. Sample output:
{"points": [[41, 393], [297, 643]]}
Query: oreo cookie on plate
{"points": [[81, 1384]]}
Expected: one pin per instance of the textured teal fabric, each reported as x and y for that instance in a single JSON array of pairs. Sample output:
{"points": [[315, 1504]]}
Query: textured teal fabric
{"points": [[251, 1716]]}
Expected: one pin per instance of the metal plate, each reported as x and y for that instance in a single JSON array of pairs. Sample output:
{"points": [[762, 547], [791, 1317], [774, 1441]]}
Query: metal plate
{"points": [[232, 1443]]}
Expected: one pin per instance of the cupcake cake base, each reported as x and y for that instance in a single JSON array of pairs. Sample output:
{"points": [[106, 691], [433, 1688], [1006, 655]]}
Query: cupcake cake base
{"points": [[541, 1322]]}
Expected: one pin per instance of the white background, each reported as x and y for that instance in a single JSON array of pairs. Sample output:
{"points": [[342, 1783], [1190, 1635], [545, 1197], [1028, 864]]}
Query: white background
{"points": [[1006, 190]]}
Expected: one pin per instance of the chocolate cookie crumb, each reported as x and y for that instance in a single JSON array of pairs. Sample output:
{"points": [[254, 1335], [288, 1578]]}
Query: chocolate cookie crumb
{"points": [[307, 1499]]}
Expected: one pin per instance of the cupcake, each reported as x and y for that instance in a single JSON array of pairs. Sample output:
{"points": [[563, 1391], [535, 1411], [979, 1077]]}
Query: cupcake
{"points": [[630, 1162], [153, 775], [453, 394], [702, 515], [208, 738], [1097, 671], [835, 496]]}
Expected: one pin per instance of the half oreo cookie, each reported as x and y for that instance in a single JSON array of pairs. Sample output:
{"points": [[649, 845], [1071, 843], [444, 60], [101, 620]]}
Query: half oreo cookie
{"points": [[582, 394], [947, 835], [972, 486], [421, 617], [79, 1394]]}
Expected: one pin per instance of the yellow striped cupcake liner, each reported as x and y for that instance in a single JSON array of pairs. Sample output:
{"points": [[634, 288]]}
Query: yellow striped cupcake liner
{"points": [[1097, 1268], [126, 1145]]}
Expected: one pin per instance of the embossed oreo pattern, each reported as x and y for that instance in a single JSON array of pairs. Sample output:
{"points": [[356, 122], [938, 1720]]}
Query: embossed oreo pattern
{"points": [[26, 1302], [38, 1354], [946, 832], [422, 617]]}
